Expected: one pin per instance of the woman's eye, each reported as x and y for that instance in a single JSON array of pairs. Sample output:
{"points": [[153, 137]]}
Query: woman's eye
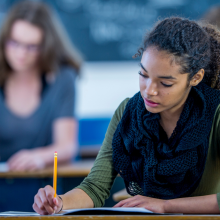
{"points": [[140, 73], [166, 85]]}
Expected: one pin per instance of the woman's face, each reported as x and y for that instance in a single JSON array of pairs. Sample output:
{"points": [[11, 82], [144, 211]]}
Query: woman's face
{"points": [[23, 46], [162, 86]]}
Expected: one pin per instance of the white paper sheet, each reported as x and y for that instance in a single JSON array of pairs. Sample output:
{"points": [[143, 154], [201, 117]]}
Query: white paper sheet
{"points": [[133, 209], [4, 167], [14, 213], [75, 211]]}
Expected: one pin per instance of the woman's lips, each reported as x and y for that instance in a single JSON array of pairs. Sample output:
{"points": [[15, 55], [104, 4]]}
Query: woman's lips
{"points": [[150, 103]]}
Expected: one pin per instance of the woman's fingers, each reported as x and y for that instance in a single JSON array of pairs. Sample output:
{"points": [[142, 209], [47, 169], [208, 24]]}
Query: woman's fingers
{"points": [[18, 161], [132, 203], [25, 160], [50, 195], [55, 201], [22, 164], [14, 157], [58, 204], [38, 206], [117, 205], [36, 209], [45, 202], [121, 203], [18, 165]]}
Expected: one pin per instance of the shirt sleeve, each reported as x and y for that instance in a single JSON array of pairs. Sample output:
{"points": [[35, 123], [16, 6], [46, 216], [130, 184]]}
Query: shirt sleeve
{"points": [[100, 180], [214, 142], [218, 200], [66, 95]]}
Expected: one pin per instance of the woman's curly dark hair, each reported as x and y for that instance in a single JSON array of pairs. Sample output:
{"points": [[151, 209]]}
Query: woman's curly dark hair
{"points": [[193, 46]]}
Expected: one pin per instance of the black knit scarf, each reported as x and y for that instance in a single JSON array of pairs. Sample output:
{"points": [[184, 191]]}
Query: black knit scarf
{"points": [[165, 168]]}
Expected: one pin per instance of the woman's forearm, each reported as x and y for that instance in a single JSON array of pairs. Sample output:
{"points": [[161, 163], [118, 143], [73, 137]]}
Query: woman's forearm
{"points": [[194, 205], [76, 199], [64, 141], [65, 152], [40, 157]]}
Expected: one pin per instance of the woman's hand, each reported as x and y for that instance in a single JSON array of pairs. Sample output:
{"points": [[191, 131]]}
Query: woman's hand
{"points": [[45, 203], [152, 204], [64, 132], [26, 160]]}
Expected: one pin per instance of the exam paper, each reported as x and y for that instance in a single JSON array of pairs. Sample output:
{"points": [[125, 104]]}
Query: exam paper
{"points": [[89, 211], [105, 210], [14, 213]]}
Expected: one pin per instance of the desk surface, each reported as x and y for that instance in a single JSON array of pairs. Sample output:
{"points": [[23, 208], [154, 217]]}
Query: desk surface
{"points": [[119, 217], [76, 169]]}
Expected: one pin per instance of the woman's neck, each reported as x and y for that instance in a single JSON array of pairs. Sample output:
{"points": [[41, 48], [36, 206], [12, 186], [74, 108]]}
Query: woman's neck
{"points": [[171, 115], [23, 83], [23, 92], [25, 77], [169, 118]]}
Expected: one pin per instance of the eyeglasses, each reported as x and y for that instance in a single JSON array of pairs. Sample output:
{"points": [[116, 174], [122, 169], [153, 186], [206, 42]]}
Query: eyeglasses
{"points": [[31, 48]]}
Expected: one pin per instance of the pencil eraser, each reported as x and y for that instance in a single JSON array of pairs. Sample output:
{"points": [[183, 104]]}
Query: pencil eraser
{"points": [[55, 152]]}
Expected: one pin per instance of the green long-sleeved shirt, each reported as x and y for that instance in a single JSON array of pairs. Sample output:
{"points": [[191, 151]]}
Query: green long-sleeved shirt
{"points": [[100, 180]]}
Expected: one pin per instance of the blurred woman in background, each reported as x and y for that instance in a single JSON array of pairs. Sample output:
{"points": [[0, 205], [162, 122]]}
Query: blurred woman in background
{"points": [[38, 67]]}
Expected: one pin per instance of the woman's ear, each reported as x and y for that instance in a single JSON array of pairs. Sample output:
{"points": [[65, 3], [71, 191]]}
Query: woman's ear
{"points": [[197, 78]]}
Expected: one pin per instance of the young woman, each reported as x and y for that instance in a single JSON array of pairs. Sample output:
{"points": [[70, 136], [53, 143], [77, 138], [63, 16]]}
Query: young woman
{"points": [[37, 73], [164, 140]]}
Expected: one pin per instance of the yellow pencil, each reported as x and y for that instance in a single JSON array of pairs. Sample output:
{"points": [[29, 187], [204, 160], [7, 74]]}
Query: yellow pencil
{"points": [[55, 174]]}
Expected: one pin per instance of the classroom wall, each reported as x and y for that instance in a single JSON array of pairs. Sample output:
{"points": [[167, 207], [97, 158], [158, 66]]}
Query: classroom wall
{"points": [[104, 85], [100, 89]]}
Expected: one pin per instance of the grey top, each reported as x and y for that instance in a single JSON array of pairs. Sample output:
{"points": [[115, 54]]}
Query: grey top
{"points": [[35, 130]]}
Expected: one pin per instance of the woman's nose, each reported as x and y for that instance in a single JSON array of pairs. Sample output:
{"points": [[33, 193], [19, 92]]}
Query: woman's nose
{"points": [[21, 51], [150, 88]]}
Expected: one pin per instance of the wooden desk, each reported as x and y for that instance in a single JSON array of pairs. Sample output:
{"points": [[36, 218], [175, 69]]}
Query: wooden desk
{"points": [[119, 217], [76, 169]]}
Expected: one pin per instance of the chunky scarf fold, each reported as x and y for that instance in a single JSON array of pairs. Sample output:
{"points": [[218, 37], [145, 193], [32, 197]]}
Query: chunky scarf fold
{"points": [[169, 168]]}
